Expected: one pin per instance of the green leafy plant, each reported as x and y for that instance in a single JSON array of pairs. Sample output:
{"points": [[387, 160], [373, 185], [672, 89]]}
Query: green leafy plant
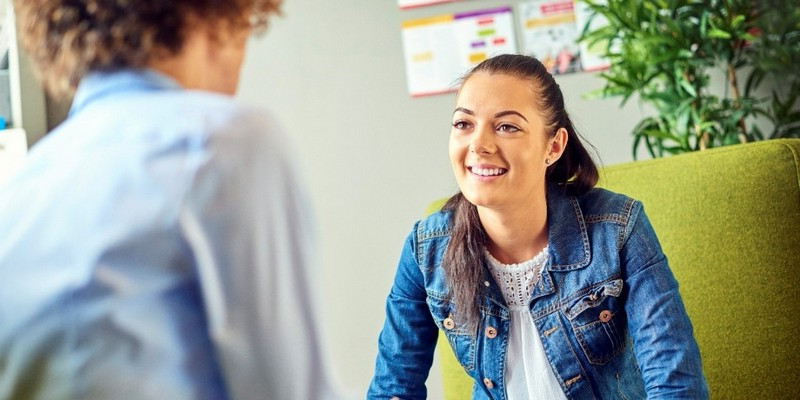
{"points": [[665, 51]]}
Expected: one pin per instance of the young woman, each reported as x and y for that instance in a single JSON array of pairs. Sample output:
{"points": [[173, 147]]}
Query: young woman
{"points": [[545, 287], [156, 245]]}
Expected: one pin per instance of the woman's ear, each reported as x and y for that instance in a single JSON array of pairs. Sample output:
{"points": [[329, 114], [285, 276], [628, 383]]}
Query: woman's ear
{"points": [[556, 146]]}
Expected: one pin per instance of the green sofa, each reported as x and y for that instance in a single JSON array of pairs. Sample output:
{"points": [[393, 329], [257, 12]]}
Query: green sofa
{"points": [[729, 222]]}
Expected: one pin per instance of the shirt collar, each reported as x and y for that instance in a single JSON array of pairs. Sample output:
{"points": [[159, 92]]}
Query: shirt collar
{"points": [[96, 85]]}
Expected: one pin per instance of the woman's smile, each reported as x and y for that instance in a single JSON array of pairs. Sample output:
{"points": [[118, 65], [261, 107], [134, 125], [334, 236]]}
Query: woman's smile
{"points": [[486, 172]]}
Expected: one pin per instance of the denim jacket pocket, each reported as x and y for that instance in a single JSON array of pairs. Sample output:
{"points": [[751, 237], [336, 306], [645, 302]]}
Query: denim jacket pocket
{"points": [[597, 318], [461, 339]]}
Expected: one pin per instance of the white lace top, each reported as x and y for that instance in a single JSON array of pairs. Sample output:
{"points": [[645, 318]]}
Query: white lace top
{"points": [[528, 374]]}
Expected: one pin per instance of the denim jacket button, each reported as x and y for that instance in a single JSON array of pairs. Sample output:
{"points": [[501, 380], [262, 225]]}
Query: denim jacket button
{"points": [[488, 383], [605, 316], [449, 323], [491, 332]]}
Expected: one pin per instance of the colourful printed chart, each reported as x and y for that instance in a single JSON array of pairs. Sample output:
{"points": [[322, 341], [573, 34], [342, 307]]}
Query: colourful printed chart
{"points": [[440, 49], [549, 33], [406, 4], [591, 57]]}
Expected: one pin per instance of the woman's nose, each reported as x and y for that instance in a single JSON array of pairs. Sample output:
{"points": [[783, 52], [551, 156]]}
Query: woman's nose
{"points": [[483, 141]]}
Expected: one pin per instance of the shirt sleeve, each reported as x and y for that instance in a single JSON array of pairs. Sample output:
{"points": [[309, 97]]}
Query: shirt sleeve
{"points": [[662, 333], [246, 221]]}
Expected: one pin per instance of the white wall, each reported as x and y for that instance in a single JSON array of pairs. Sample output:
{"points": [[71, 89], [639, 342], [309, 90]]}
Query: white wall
{"points": [[333, 73], [27, 98]]}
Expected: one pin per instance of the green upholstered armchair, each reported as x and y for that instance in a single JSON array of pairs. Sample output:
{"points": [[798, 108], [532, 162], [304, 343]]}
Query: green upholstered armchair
{"points": [[729, 222]]}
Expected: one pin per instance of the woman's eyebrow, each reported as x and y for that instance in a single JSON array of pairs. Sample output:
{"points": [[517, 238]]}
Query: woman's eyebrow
{"points": [[498, 115], [510, 112]]}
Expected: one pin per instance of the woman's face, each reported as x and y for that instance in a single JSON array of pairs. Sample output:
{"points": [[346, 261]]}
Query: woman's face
{"points": [[498, 142]]}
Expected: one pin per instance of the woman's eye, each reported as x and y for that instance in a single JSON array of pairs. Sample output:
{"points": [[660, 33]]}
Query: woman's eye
{"points": [[461, 125], [506, 128]]}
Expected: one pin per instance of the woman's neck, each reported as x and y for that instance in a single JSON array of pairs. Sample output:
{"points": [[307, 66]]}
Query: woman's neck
{"points": [[516, 234]]}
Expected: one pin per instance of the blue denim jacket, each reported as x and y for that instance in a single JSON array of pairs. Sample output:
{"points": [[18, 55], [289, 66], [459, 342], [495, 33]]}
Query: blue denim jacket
{"points": [[604, 257]]}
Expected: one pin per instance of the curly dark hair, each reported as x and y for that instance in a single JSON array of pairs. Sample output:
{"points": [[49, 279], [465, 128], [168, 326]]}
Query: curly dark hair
{"points": [[65, 39]]}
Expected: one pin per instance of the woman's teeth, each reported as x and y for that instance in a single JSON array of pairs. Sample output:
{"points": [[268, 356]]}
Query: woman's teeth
{"points": [[488, 172]]}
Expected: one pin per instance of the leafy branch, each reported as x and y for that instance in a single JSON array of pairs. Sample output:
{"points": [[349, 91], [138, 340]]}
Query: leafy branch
{"points": [[664, 52]]}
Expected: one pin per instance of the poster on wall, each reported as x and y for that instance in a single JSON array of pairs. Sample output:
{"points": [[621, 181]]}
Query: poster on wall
{"points": [[549, 33], [406, 4], [440, 49], [591, 57]]}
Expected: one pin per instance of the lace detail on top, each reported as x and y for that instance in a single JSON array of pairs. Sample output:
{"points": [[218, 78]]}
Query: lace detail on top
{"points": [[516, 281]]}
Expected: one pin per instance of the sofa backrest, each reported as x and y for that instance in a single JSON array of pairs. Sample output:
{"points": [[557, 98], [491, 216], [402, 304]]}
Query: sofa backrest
{"points": [[729, 222]]}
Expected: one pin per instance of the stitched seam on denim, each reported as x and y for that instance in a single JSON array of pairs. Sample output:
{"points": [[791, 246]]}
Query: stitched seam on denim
{"points": [[471, 355], [564, 302], [632, 219], [574, 355], [627, 216], [539, 314], [488, 311], [652, 262], [457, 331], [434, 234], [584, 238], [418, 245], [503, 353], [585, 345], [615, 218], [545, 281], [553, 367], [470, 352], [436, 295], [453, 332]]}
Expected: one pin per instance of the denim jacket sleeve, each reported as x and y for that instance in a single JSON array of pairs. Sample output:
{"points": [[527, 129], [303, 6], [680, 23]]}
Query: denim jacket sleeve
{"points": [[663, 340], [408, 338]]}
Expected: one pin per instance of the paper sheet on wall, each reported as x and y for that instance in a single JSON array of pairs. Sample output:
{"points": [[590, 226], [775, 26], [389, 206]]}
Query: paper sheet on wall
{"points": [[591, 57], [440, 49], [550, 30], [420, 3], [549, 33]]}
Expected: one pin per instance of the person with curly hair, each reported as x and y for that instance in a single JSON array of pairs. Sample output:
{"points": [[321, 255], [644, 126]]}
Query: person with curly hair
{"points": [[157, 244]]}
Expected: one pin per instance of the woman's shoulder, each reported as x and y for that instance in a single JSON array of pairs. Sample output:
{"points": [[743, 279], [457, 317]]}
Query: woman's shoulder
{"points": [[437, 224], [603, 204]]}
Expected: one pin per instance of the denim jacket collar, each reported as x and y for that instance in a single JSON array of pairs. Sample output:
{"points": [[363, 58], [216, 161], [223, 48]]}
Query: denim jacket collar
{"points": [[568, 244], [568, 239]]}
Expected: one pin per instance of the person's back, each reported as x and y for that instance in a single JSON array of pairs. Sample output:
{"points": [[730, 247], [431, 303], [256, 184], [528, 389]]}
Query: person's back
{"points": [[157, 245]]}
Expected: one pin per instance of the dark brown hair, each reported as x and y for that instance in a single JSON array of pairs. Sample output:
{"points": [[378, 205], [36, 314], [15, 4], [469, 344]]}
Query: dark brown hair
{"points": [[68, 38], [574, 173]]}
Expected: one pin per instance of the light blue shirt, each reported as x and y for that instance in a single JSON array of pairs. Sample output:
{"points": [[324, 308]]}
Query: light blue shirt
{"points": [[157, 245]]}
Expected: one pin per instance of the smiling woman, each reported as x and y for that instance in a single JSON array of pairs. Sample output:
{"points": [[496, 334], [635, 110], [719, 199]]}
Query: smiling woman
{"points": [[545, 287]]}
